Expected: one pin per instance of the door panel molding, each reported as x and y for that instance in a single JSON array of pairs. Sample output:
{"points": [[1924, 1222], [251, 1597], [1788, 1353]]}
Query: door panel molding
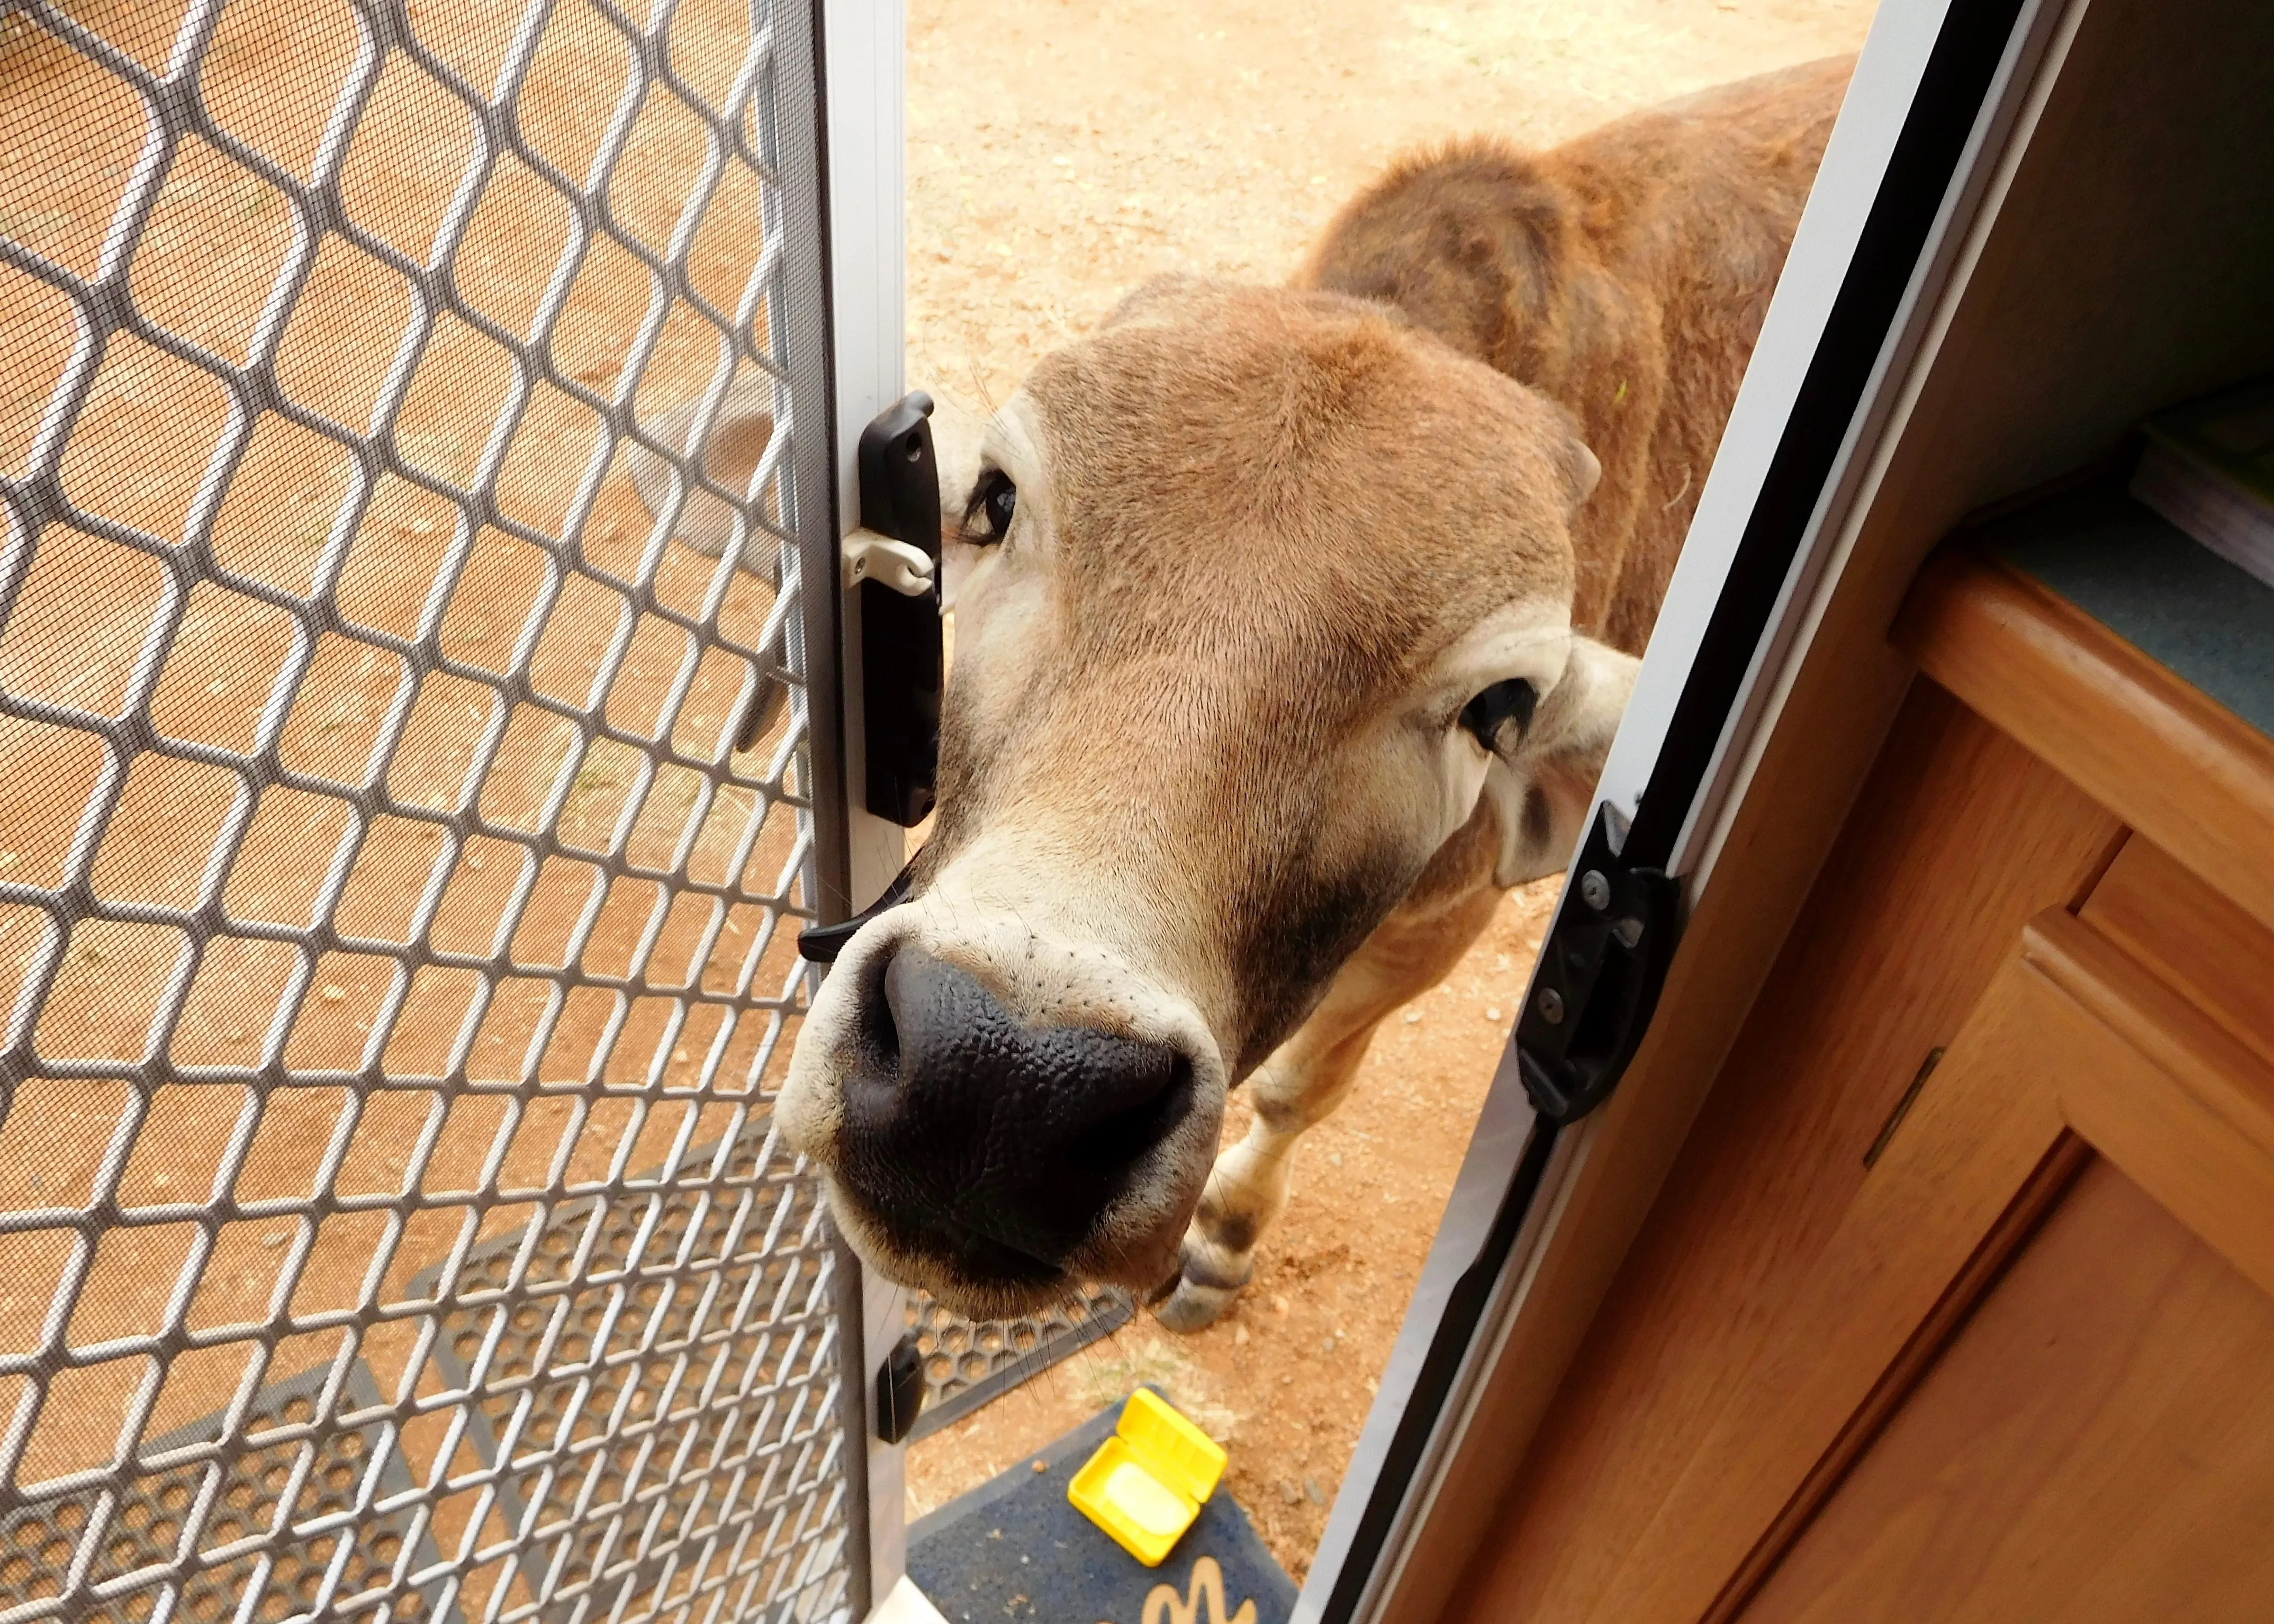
{"points": [[2158, 1087], [2076, 1049]]}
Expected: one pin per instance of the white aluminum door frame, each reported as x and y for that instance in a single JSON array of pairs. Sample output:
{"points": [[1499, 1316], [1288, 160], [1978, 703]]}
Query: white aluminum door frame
{"points": [[863, 84], [862, 48]]}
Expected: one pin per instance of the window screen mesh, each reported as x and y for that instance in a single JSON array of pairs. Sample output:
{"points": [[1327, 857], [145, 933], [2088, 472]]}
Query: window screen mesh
{"points": [[402, 832]]}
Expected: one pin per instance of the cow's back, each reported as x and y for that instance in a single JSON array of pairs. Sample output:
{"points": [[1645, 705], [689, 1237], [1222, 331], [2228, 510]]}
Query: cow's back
{"points": [[1624, 273]]}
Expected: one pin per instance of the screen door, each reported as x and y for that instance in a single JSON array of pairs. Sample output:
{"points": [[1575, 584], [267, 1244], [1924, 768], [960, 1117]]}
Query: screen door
{"points": [[404, 828]]}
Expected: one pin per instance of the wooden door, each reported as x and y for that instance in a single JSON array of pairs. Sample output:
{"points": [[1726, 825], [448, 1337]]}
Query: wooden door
{"points": [[1818, 1359], [2094, 1437]]}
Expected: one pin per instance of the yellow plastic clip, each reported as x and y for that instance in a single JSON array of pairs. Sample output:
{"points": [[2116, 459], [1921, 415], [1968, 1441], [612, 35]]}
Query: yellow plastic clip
{"points": [[1146, 1483]]}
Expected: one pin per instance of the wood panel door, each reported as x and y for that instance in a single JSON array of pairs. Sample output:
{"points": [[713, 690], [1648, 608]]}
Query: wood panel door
{"points": [[2091, 1437]]}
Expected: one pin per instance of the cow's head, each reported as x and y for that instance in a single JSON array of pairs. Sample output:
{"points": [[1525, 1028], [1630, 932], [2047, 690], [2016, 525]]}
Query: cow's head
{"points": [[1260, 596]]}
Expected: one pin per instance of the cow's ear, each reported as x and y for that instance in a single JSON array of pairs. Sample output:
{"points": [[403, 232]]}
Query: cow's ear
{"points": [[739, 432], [1544, 789]]}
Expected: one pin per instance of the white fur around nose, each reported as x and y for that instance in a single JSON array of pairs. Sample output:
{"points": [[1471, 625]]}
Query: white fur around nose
{"points": [[1043, 976]]}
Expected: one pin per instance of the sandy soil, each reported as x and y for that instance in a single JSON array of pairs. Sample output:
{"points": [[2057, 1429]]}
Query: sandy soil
{"points": [[1058, 154]]}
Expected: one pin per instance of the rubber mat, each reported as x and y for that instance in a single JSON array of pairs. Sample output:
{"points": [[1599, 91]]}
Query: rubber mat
{"points": [[248, 1482], [969, 1362], [1014, 1549]]}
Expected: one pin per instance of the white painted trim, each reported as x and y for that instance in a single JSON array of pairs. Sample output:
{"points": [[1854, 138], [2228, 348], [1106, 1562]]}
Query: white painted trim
{"points": [[1855, 158], [1927, 311], [904, 1604], [863, 42], [1823, 545], [863, 46]]}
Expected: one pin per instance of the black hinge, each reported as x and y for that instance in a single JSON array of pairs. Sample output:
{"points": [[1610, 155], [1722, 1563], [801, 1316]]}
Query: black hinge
{"points": [[901, 658], [1599, 977]]}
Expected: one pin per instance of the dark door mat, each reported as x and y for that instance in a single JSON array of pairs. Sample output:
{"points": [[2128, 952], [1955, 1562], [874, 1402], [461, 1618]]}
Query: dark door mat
{"points": [[1014, 1548]]}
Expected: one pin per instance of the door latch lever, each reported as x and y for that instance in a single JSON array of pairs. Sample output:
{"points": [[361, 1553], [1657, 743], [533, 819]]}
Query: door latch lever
{"points": [[908, 570], [892, 560]]}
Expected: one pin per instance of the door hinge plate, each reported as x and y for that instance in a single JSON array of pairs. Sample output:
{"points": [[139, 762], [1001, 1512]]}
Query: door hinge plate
{"points": [[1600, 972]]}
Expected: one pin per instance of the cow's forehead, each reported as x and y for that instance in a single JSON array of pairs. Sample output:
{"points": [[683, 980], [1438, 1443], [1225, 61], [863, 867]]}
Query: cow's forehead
{"points": [[1309, 462]]}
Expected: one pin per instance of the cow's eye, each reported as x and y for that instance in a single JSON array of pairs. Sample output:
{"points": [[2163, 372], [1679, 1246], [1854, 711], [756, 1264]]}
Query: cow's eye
{"points": [[994, 500], [1499, 715]]}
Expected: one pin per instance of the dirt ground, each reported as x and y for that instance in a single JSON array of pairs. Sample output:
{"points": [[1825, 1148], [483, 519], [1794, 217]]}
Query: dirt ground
{"points": [[1057, 155]]}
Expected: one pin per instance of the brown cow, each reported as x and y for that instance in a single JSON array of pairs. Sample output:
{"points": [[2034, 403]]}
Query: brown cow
{"points": [[1292, 626]]}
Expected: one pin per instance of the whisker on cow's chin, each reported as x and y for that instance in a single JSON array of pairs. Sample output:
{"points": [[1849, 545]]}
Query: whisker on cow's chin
{"points": [[1015, 1284], [951, 1286]]}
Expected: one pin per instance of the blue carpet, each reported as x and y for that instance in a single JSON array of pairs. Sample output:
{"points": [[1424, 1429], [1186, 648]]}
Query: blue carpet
{"points": [[2155, 586], [1015, 1549]]}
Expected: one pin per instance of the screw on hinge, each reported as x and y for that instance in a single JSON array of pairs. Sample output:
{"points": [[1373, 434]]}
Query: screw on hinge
{"points": [[1902, 1106], [1551, 1006]]}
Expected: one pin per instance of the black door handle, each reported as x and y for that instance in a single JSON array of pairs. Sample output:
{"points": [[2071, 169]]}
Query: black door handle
{"points": [[900, 651]]}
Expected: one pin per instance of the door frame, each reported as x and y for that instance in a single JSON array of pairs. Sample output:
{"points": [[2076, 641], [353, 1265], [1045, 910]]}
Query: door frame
{"points": [[861, 192], [1939, 92]]}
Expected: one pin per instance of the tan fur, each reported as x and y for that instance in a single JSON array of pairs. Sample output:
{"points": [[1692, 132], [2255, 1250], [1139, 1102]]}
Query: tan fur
{"points": [[1195, 749], [1202, 775], [1284, 585], [1624, 275]]}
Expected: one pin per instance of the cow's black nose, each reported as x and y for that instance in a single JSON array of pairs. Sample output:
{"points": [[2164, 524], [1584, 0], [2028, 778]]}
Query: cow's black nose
{"points": [[997, 1144]]}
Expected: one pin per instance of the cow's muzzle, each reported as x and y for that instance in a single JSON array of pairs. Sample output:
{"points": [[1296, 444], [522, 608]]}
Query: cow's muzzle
{"points": [[999, 1149]]}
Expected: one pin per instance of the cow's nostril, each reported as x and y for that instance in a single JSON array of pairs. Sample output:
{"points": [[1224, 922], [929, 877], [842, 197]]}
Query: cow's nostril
{"points": [[880, 1034], [1113, 1142]]}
